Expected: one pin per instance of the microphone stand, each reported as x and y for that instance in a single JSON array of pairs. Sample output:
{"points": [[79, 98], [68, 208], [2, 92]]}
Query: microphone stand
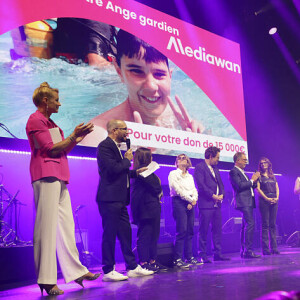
{"points": [[8, 236], [87, 256]]}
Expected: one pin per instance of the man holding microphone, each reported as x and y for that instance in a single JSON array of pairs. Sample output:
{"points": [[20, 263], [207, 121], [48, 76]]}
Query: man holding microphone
{"points": [[112, 198], [244, 200]]}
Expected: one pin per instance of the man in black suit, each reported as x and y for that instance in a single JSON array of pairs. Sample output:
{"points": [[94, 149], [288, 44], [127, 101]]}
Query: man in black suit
{"points": [[112, 197], [243, 188], [210, 197]]}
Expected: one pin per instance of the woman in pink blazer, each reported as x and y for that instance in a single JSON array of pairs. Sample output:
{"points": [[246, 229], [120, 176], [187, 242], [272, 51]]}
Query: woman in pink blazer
{"points": [[54, 223]]}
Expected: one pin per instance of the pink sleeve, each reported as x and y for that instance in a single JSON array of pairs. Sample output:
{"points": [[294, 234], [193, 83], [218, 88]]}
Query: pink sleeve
{"points": [[38, 130]]}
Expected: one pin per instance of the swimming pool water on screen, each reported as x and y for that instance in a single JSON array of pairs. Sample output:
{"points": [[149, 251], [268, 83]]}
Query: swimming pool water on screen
{"points": [[85, 92]]}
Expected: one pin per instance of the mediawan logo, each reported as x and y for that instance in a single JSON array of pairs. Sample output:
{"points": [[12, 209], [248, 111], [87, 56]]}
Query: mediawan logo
{"points": [[200, 54]]}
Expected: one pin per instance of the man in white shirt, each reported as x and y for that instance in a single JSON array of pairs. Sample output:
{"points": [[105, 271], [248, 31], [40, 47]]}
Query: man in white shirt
{"points": [[244, 201]]}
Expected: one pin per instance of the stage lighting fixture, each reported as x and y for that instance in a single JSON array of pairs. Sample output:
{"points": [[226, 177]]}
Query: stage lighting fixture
{"points": [[263, 9], [273, 30]]}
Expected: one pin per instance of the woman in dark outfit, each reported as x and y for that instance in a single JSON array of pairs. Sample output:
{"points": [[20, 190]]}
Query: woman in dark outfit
{"points": [[145, 208], [268, 190]]}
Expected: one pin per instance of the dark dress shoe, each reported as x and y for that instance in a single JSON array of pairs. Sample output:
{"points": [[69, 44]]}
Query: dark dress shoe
{"points": [[221, 258], [275, 251], [251, 254], [159, 266], [266, 252], [206, 260]]}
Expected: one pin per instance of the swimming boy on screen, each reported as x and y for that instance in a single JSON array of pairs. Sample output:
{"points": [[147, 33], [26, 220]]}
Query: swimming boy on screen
{"points": [[147, 76]]}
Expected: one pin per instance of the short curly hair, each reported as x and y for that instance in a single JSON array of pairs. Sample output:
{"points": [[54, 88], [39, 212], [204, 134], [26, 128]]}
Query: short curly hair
{"points": [[187, 158]]}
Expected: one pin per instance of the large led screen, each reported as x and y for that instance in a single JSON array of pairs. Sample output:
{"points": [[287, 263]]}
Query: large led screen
{"points": [[186, 102]]}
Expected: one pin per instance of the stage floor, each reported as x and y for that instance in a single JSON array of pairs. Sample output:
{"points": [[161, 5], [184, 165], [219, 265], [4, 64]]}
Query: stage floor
{"points": [[237, 279]]}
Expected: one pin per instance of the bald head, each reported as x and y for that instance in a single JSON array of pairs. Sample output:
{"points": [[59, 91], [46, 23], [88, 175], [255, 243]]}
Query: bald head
{"points": [[117, 130], [113, 124]]}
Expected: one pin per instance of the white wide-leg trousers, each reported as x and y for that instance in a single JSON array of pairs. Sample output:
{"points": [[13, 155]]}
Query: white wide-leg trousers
{"points": [[54, 231]]}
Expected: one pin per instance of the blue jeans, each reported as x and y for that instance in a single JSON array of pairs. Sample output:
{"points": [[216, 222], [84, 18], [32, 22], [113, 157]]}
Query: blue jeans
{"points": [[268, 224], [184, 219], [247, 231]]}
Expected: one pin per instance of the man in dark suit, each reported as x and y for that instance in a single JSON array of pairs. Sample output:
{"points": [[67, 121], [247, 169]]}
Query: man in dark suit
{"points": [[210, 197], [243, 188], [112, 197]]}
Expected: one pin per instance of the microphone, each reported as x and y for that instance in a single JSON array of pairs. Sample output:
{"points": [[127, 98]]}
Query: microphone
{"points": [[79, 207], [128, 144], [259, 178]]}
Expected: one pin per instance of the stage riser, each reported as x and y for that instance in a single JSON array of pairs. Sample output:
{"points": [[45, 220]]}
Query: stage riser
{"points": [[17, 263], [17, 266]]}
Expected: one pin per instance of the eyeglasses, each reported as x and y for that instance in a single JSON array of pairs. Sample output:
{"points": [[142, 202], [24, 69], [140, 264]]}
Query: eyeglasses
{"points": [[264, 163], [121, 128], [181, 157]]}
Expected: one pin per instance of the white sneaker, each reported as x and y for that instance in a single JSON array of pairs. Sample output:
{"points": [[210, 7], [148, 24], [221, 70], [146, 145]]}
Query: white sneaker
{"points": [[139, 271], [114, 276]]}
